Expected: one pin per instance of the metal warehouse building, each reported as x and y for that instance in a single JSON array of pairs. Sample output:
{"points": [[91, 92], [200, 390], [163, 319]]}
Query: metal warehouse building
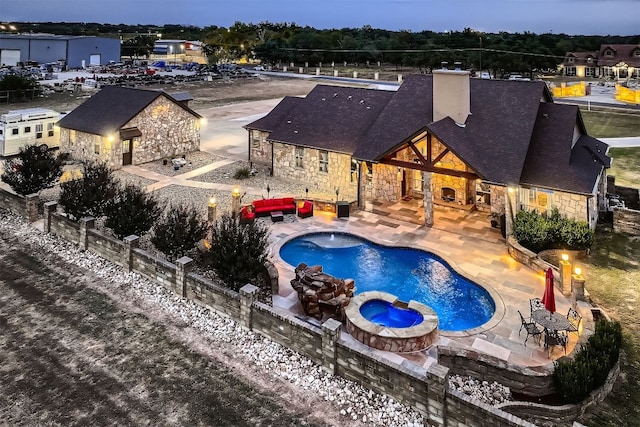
{"points": [[77, 51]]}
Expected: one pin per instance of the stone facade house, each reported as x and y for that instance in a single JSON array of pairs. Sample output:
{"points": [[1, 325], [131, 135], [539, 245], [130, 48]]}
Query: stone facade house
{"points": [[446, 139], [125, 126], [617, 61]]}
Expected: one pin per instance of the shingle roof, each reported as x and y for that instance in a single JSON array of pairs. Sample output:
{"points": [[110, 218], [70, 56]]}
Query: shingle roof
{"points": [[506, 138], [331, 118], [621, 53], [279, 114], [581, 58], [553, 163], [111, 108]]}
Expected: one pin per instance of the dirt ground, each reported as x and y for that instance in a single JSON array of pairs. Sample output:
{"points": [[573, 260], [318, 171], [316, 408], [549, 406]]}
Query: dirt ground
{"points": [[76, 351], [206, 94]]}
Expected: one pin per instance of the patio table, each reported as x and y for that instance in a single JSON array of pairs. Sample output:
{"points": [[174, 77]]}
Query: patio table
{"points": [[552, 321]]}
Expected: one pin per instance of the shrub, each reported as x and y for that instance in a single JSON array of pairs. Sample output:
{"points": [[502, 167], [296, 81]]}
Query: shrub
{"points": [[90, 194], [575, 379], [132, 211], [242, 173], [238, 251], [537, 232], [178, 232], [33, 169]]}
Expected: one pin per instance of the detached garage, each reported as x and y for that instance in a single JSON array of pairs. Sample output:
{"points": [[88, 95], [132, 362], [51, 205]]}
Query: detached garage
{"points": [[76, 51]]}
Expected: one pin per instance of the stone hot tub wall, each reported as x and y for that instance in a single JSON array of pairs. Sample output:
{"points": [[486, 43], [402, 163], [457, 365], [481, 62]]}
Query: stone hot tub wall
{"points": [[397, 340]]}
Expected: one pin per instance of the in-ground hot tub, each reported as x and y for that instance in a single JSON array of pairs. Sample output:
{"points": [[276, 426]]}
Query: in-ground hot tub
{"points": [[381, 321]]}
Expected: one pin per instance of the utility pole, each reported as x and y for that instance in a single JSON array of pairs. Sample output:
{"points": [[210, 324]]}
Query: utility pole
{"points": [[480, 55]]}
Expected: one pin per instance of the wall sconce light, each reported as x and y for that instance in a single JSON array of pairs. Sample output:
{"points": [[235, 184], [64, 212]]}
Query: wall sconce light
{"points": [[511, 190], [306, 191], [268, 191], [337, 193], [110, 138], [565, 257]]}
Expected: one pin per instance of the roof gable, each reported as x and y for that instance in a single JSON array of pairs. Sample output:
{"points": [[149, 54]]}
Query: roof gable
{"points": [[111, 108]]}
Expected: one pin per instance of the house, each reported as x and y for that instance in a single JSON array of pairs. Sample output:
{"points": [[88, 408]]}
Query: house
{"points": [[124, 126], [451, 141], [612, 60], [28, 127]]}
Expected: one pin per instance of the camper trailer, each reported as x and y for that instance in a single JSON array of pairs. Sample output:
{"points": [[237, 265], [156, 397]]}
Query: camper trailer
{"points": [[28, 127]]}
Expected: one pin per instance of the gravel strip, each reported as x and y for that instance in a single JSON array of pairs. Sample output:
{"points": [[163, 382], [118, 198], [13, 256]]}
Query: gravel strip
{"points": [[353, 401], [195, 160]]}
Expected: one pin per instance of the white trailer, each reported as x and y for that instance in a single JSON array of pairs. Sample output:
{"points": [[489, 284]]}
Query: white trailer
{"points": [[28, 127]]}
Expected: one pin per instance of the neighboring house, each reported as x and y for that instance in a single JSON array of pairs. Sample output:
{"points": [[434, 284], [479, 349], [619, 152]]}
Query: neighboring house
{"points": [[123, 126], [27, 127], [73, 51], [461, 143], [174, 51], [612, 60]]}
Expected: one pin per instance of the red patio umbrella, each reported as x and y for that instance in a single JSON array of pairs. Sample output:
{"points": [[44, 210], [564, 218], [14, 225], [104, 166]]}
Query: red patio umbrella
{"points": [[549, 299]]}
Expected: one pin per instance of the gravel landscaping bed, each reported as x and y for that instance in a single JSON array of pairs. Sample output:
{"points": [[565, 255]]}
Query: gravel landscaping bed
{"points": [[194, 161]]}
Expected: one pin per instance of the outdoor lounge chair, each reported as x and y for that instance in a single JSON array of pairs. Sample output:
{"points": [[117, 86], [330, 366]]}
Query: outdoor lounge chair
{"points": [[530, 327], [574, 318], [555, 338], [306, 210]]}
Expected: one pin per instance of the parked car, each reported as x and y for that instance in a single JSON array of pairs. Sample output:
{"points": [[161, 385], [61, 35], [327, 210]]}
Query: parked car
{"points": [[259, 68], [518, 77]]}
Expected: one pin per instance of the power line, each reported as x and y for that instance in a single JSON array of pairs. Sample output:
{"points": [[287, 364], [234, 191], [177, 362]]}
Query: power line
{"points": [[469, 49]]}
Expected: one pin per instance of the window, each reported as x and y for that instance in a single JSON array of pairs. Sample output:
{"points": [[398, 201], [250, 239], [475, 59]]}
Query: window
{"points": [[14, 131], [50, 126], [569, 71], [1, 131], [354, 170], [96, 148], [532, 194], [38, 135], [27, 129], [257, 138], [50, 133], [324, 161], [299, 157], [570, 59], [39, 127], [608, 53]]}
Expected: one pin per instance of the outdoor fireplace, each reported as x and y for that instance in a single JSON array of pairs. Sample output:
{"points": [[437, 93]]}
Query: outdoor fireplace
{"points": [[448, 194]]}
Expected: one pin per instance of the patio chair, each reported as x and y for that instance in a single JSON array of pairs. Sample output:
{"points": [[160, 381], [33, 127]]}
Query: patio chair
{"points": [[552, 337], [306, 210], [531, 329], [536, 304], [574, 319]]}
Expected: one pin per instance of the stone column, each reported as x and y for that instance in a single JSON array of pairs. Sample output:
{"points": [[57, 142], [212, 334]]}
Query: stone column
{"points": [[284, 69], [130, 243], [565, 277], [31, 206], [330, 336], [248, 294], [335, 73], [49, 209], [300, 70], [577, 284], [317, 71], [212, 210], [376, 76], [86, 224], [183, 267], [437, 379], [428, 199], [355, 74], [399, 78]]}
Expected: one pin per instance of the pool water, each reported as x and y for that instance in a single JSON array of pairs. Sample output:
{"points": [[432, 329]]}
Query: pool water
{"points": [[386, 314], [409, 274]]}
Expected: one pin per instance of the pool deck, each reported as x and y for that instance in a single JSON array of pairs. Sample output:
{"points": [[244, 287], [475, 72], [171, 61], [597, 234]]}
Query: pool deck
{"points": [[469, 244]]}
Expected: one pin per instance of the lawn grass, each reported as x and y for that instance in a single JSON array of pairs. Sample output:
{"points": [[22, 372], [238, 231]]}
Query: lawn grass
{"points": [[610, 123], [625, 166], [612, 275]]}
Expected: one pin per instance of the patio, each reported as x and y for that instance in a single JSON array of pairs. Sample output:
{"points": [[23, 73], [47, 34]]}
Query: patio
{"points": [[468, 243]]}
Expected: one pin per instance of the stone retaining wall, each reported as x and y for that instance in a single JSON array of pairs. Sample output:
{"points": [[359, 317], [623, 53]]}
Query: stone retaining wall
{"points": [[626, 221], [517, 378], [25, 206], [424, 389]]}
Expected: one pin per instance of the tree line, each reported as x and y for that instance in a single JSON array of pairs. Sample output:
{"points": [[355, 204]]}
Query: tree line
{"points": [[275, 43]]}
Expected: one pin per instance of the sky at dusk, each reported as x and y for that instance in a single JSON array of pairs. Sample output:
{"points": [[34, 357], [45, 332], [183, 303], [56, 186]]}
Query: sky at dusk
{"points": [[585, 17]]}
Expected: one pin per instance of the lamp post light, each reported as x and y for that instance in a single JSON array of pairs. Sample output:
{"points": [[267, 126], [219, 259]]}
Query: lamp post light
{"points": [[577, 284], [565, 274]]}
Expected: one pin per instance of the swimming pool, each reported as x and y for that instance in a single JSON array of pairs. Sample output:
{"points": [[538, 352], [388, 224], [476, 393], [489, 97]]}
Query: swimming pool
{"points": [[409, 274]]}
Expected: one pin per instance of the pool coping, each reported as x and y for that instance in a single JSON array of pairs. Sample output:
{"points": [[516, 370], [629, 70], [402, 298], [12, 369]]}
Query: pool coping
{"points": [[500, 308]]}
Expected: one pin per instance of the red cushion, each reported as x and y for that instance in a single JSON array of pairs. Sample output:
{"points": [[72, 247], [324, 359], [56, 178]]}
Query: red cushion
{"points": [[288, 201], [307, 205], [258, 203]]}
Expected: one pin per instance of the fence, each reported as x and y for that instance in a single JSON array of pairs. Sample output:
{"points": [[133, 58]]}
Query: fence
{"points": [[423, 388]]}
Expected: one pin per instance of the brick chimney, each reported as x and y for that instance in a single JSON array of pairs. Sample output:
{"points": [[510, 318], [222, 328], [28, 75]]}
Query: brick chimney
{"points": [[451, 94]]}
